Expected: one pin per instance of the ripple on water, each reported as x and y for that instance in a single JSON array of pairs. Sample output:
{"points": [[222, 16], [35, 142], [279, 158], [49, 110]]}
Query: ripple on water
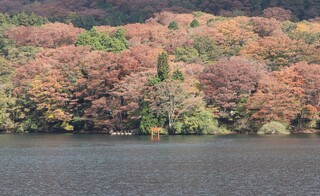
{"points": [[189, 165]]}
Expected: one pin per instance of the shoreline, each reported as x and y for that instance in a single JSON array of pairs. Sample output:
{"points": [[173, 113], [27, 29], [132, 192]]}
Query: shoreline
{"points": [[299, 132], [307, 131]]}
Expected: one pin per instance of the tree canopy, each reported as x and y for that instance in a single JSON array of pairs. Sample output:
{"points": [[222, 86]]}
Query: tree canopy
{"points": [[212, 74]]}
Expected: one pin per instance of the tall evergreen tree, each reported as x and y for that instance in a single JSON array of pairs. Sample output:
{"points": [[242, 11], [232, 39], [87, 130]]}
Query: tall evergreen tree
{"points": [[148, 118], [163, 68]]}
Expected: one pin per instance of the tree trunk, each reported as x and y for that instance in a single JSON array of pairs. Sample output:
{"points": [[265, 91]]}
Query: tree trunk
{"points": [[170, 124]]}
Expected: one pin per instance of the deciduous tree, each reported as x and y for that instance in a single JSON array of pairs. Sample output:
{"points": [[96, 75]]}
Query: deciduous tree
{"points": [[228, 81], [169, 99], [277, 13], [278, 97], [51, 35]]}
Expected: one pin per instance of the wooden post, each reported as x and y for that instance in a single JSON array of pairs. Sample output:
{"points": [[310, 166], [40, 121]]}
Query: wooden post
{"points": [[151, 134]]}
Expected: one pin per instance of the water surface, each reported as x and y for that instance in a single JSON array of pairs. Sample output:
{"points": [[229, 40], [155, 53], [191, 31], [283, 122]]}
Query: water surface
{"points": [[177, 165]]}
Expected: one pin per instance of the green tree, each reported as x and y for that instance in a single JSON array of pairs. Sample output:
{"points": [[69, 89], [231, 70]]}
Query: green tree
{"points": [[197, 122], [153, 81], [147, 118], [119, 40], [173, 25], [86, 22], [23, 19], [169, 99], [5, 43], [274, 128], [4, 18], [208, 49], [6, 99], [20, 55], [178, 75], [194, 23], [99, 41], [163, 68], [204, 49], [186, 54], [93, 38], [6, 103]]}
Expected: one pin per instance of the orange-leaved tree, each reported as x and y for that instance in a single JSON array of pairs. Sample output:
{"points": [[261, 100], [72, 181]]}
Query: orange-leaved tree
{"points": [[278, 97]]}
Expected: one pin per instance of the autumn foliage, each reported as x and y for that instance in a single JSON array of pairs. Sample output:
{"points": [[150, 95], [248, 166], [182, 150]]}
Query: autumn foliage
{"points": [[278, 97], [226, 82], [210, 74], [51, 35], [88, 13]]}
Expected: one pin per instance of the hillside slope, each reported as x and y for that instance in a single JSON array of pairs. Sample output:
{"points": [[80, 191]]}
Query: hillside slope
{"points": [[87, 13], [188, 73]]}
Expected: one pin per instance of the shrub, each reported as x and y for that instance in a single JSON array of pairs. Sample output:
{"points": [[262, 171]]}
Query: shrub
{"points": [[200, 122], [274, 128]]}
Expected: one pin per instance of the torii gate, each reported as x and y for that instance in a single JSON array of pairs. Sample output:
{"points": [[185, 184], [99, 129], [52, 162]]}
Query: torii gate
{"points": [[157, 131]]}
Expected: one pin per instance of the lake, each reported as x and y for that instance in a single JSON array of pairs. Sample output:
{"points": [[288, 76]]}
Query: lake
{"points": [[69, 164]]}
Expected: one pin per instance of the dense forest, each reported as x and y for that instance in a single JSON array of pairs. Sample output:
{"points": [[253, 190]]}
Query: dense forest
{"points": [[87, 13], [189, 73]]}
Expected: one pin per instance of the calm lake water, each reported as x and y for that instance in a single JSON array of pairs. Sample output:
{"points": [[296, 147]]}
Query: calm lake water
{"points": [[177, 165]]}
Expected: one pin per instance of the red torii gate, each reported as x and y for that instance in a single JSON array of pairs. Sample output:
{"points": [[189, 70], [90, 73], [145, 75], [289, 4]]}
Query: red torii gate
{"points": [[157, 131]]}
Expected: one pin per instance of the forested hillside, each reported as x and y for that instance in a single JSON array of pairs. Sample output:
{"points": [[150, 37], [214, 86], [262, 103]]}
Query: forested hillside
{"points": [[190, 73], [87, 13]]}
